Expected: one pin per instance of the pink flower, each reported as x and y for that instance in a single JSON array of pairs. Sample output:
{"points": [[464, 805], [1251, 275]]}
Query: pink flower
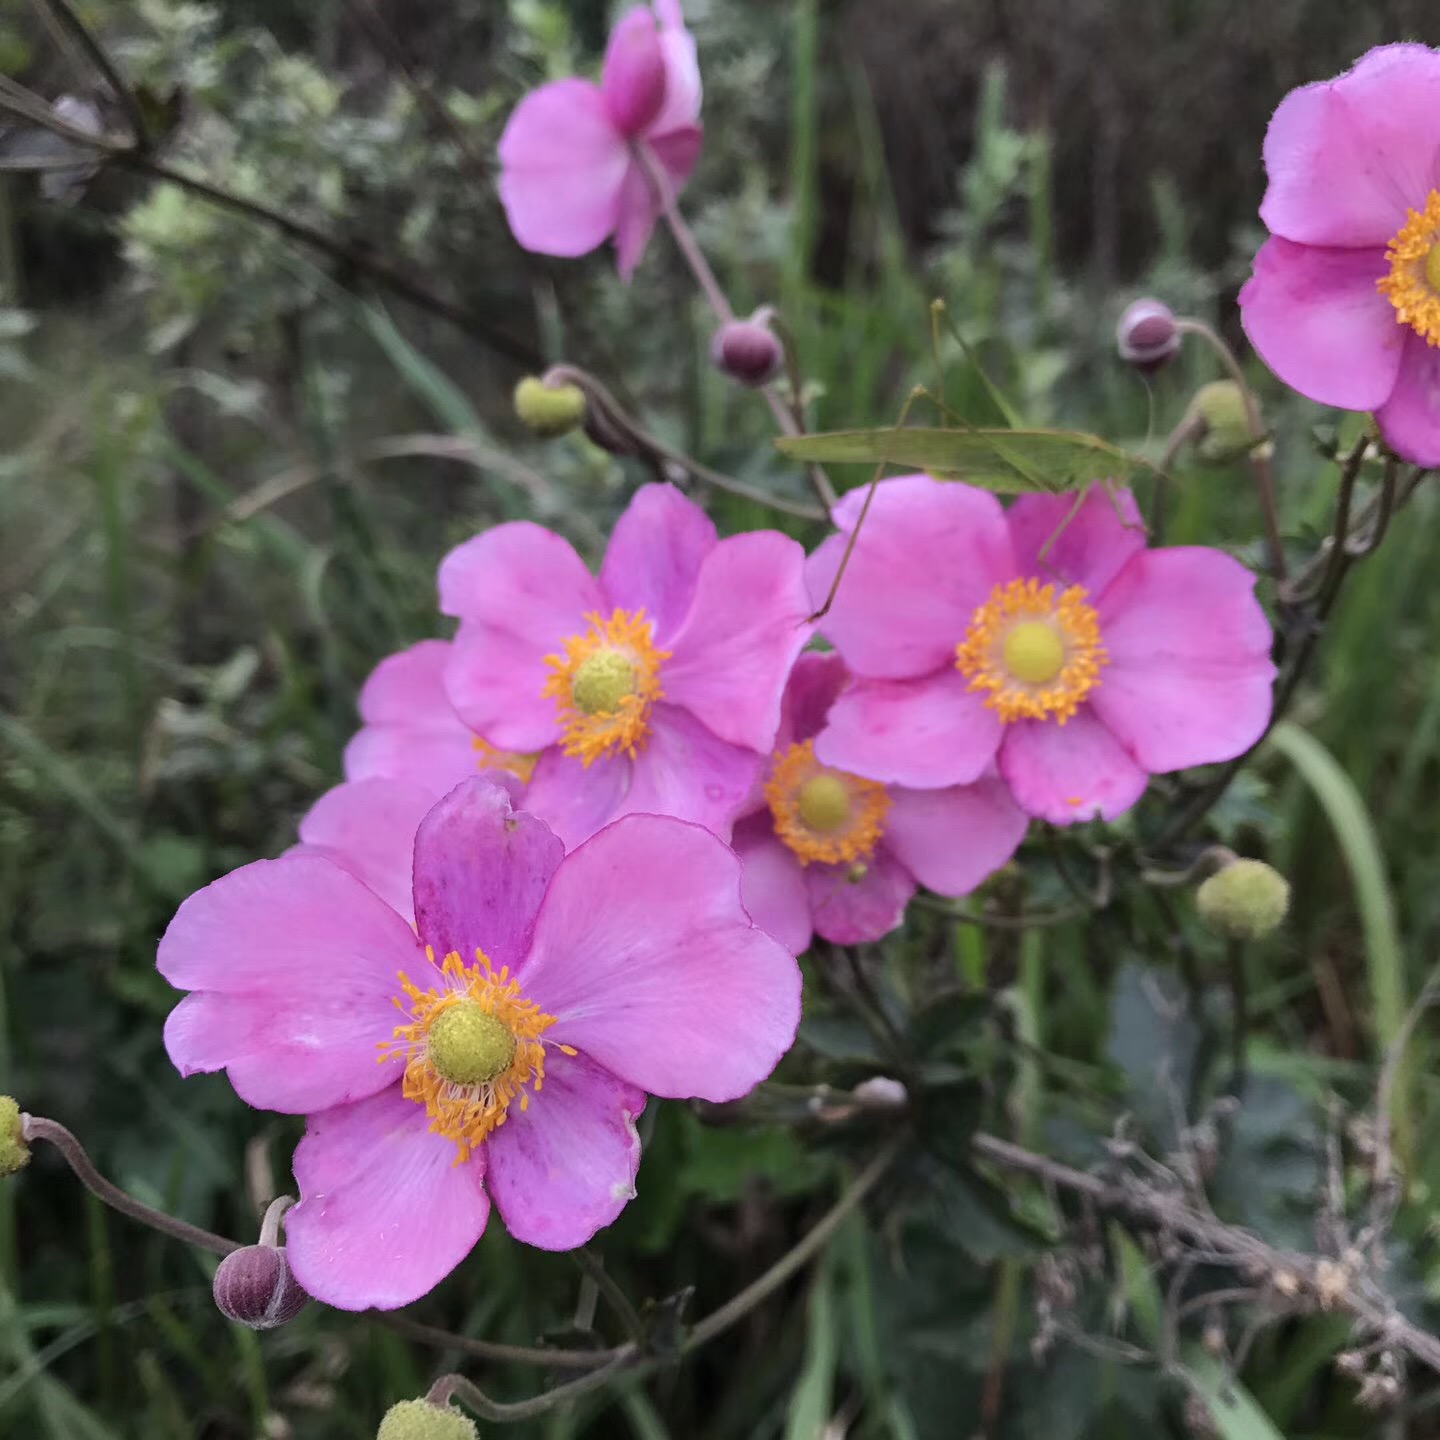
{"points": [[1081, 674], [833, 853], [1344, 304], [569, 178], [655, 688], [544, 997]]}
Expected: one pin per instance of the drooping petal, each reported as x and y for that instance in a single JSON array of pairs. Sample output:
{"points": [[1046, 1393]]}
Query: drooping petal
{"points": [[385, 1213], [646, 957], [682, 74], [929, 554], [925, 733], [654, 557], [951, 840], [815, 684], [519, 591], [564, 1167], [575, 799], [772, 883], [633, 81], [562, 166], [747, 623], [851, 907], [635, 216], [368, 827], [1072, 772], [1348, 158], [296, 962], [1087, 547], [687, 772], [1319, 323], [1410, 419], [481, 868], [1190, 676], [411, 731]]}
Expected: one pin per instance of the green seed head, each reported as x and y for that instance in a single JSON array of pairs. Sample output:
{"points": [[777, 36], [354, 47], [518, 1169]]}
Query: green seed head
{"points": [[1226, 434], [602, 681], [549, 410], [468, 1046], [824, 804], [14, 1152], [420, 1420], [1244, 901]]}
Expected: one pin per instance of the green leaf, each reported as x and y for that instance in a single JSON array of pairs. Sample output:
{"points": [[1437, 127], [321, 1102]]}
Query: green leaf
{"points": [[1009, 462], [812, 1402]]}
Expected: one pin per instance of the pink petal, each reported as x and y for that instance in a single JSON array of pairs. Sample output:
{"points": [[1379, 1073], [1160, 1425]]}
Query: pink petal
{"points": [[654, 557], [574, 799], [1190, 677], [925, 733], [385, 1213], [519, 591], [563, 164], [1319, 323], [951, 840], [633, 82], [1349, 157], [411, 731], [814, 685], [1410, 419], [296, 964], [647, 959], [849, 911], [687, 772], [368, 827], [929, 553], [772, 884], [682, 74], [565, 1167], [481, 869], [732, 656], [1071, 772], [1094, 543]]}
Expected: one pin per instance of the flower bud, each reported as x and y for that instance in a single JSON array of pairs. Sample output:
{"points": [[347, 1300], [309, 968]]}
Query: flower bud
{"points": [[254, 1287], [634, 80], [549, 410], [1147, 335], [1244, 901], [1225, 420], [14, 1152], [420, 1420], [880, 1092], [748, 352]]}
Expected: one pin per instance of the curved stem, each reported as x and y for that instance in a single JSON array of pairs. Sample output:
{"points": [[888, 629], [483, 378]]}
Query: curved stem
{"points": [[594, 1269], [537, 1355], [36, 1127], [68, 18], [449, 1387], [274, 1214]]}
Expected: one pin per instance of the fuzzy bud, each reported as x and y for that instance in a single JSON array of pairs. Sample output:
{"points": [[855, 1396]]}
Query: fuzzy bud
{"points": [[1147, 335], [633, 82], [1245, 901], [420, 1420], [549, 410], [1225, 422], [748, 351], [14, 1152], [254, 1287]]}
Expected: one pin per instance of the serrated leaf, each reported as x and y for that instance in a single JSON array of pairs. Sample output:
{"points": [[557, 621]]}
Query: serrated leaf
{"points": [[1007, 462]]}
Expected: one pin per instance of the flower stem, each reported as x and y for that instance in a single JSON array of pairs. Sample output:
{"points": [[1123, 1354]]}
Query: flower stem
{"points": [[449, 1387], [594, 1269]]}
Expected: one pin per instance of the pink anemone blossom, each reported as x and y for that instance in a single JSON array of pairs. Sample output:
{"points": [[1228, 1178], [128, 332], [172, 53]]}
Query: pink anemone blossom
{"points": [[653, 688], [542, 999], [834, 854], [1080, 674], [1344, 304], [569, 176]]}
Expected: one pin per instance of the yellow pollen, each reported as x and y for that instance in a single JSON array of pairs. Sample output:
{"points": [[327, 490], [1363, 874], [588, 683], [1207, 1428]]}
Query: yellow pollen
{"points": [[472, 1048], [604, 685], [521, 766], [1413, 284], [1038, 655], [825, 816]]}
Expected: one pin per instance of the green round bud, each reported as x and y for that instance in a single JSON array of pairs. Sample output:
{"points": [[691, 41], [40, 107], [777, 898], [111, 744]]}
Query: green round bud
{"points": [[420, 1420], [1245, 901], [1220, 405], [14, 1152], [549, 410]]}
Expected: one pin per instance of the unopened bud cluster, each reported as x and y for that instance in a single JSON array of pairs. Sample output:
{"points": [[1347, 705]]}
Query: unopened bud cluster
{"points": [[253, 1286], [748, 351], [1147, 336]]}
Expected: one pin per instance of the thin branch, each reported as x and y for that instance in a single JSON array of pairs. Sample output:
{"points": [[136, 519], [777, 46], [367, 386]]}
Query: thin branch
{"points": [[544, 1358], [594, 1269], [68, 18], [449, 1387]]}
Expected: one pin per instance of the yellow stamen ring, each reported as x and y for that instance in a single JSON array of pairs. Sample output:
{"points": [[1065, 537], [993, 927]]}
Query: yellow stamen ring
{"points": [[1413, 284], [489, 758], [604, 685], [1037, 655], [825, 816], [472, 1048]]}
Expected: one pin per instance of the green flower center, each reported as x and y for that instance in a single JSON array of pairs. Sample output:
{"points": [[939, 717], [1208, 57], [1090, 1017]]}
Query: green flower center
{"points": [[602, 681], [824, 804], [467, 1045], [1034, 652]]}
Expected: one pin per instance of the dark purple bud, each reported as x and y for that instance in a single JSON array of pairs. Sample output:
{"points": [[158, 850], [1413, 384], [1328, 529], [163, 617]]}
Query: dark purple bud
{"points": [[1147, 335], [254, 1287], [634, 80], [748, 352]]}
